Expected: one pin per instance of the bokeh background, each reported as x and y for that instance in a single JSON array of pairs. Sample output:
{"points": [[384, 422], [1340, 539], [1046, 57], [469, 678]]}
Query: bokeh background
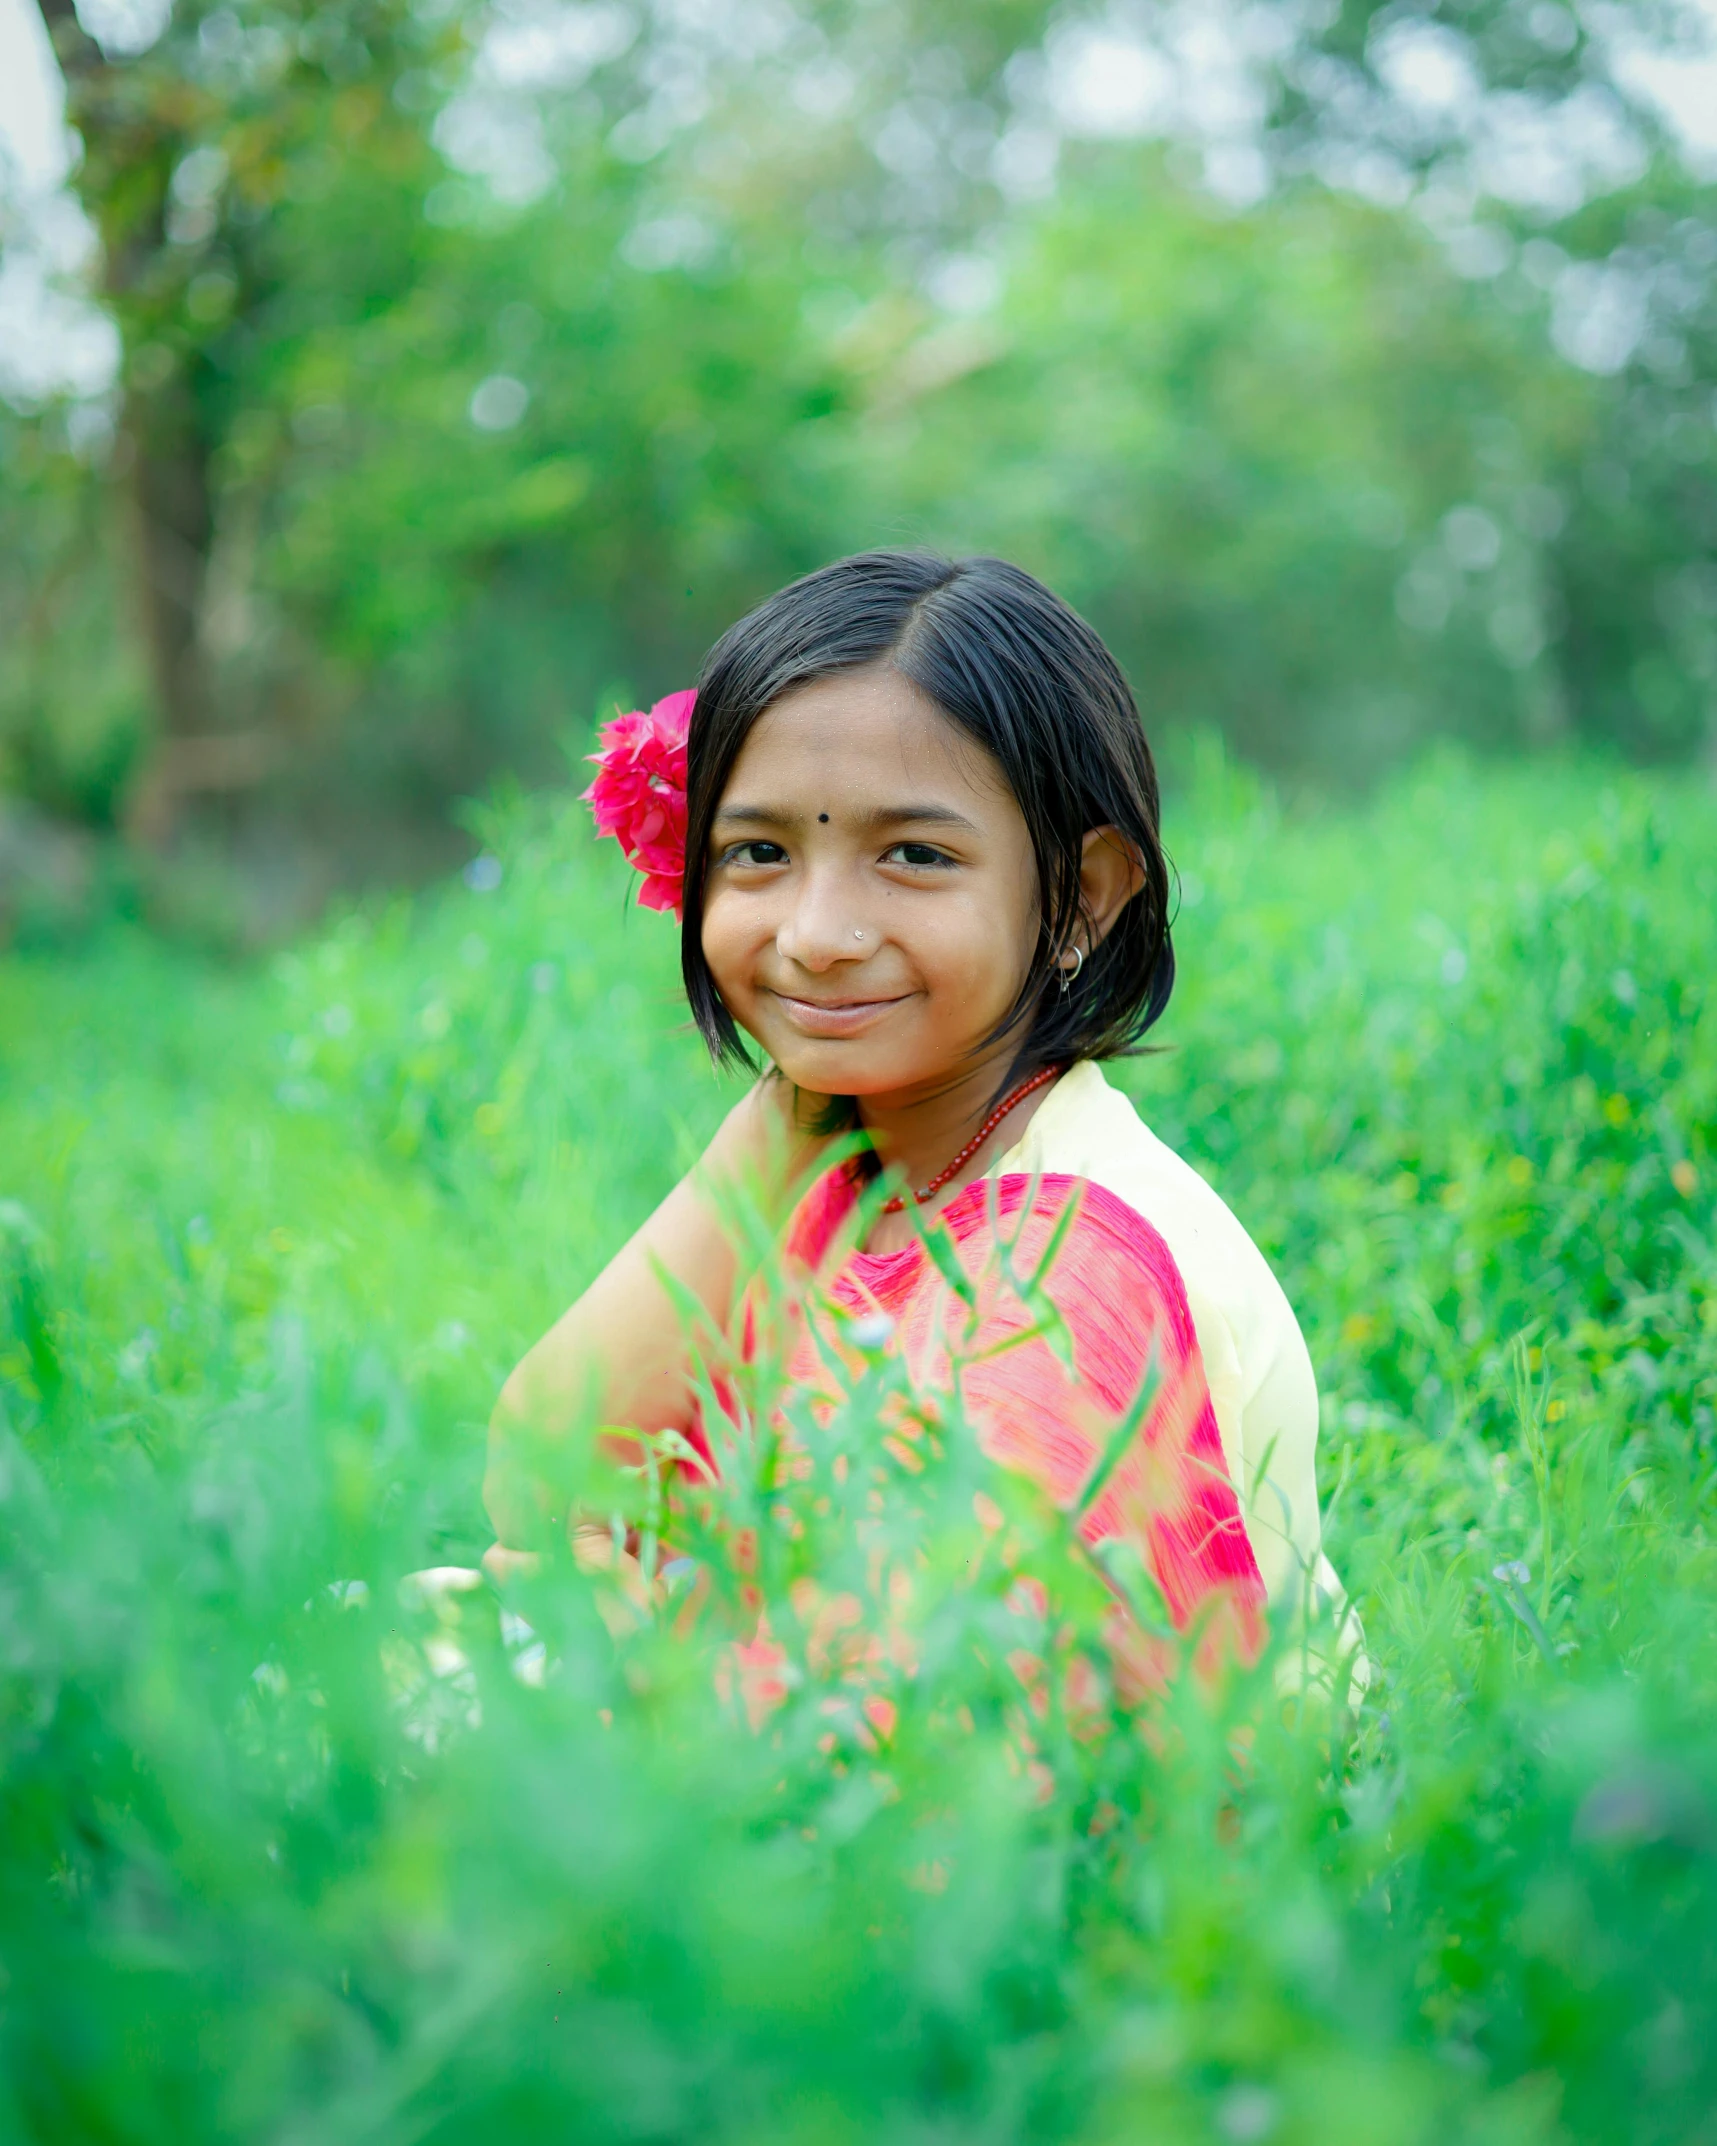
{"points": [[386, 390]]}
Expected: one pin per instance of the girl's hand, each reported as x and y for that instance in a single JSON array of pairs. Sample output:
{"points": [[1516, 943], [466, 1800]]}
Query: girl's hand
{"points": [[504, 1565], [631, 1598]]}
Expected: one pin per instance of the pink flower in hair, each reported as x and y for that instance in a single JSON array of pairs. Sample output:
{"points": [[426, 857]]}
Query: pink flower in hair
{"points": [[639, 795]]}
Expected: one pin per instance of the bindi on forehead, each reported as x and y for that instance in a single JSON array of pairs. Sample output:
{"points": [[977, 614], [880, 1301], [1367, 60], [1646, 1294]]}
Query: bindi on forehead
{"points": [[824, 817]]}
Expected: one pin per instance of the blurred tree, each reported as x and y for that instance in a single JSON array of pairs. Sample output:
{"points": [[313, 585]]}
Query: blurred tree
{"points": [[190, 148], [479, 361], [1318, 487], [72, 702], [1632, 282], [1292, 465], [1525, 136], [1405, 80]]}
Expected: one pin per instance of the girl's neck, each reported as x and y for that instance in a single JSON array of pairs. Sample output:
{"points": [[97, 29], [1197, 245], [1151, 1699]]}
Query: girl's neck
{"points": [[918, 1135]]}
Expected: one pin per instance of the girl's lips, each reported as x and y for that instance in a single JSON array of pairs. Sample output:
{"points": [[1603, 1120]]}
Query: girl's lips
{"points": [[812, 1017]]}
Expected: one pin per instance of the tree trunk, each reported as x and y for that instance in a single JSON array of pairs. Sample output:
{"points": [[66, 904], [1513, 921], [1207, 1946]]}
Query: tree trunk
{"points": [[166, 453], [171, 531]]}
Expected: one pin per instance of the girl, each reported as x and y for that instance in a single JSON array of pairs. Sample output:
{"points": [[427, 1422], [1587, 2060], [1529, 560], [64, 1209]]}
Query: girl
{"points": [[922, 873]]}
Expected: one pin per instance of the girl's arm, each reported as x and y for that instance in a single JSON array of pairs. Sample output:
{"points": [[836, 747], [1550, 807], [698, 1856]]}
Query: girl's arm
{"points": [[622, 1353]]}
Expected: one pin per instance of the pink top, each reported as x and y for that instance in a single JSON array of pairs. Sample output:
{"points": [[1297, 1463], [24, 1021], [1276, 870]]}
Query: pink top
{"points": [[1120, 1294]]}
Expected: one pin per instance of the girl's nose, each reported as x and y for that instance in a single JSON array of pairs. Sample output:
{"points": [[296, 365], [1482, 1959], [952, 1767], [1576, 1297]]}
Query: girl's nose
{"points": [[821, 929]]}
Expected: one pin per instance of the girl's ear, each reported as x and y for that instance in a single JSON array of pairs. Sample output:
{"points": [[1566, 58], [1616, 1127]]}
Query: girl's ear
{"points": [[1111, 872]]}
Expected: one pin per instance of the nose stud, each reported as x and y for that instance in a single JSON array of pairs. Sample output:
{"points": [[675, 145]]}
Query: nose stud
{"points": [[858, 934]]}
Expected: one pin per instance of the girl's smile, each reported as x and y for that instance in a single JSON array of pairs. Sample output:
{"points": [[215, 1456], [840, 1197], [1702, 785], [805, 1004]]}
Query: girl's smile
{"points": [[834, 1017]]}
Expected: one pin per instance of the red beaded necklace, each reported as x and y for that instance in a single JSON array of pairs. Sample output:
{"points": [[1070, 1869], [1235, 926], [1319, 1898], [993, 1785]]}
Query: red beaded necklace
{"points": [[1016, 1096]]}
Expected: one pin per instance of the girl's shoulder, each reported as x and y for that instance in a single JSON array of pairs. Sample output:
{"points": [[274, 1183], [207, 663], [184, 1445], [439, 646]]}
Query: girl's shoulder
{"points": [[1256, 1363], [1087, 1128]]}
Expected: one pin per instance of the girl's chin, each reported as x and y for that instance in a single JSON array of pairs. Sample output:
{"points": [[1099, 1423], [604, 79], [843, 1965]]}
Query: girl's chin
{"points": [[830, 1068], [836, 1072], [862, 1065]]}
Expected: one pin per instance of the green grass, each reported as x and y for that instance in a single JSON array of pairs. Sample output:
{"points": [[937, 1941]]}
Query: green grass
{"points": [[271, 1241]]}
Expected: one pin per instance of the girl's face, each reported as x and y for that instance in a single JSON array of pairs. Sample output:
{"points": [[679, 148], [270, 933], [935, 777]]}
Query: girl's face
{"points": [[872, 903]]}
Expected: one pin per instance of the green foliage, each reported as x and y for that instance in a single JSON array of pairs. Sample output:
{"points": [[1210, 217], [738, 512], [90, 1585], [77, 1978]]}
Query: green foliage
{"points": [[1236, 441], [1637, 584], [73, 701], [443, 461], [284, 1856]]}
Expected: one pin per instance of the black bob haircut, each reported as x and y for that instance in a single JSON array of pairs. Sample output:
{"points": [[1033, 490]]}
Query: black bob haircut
{"points": [[1022, 673]]}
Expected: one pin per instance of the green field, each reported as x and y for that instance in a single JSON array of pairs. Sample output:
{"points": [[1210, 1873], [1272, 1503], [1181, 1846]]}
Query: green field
{"points": [[272, 1237]]}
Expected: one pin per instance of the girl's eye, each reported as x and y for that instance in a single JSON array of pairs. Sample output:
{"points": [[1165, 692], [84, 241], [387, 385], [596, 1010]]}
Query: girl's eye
{"points": [[754, 853], [919, 856]]}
